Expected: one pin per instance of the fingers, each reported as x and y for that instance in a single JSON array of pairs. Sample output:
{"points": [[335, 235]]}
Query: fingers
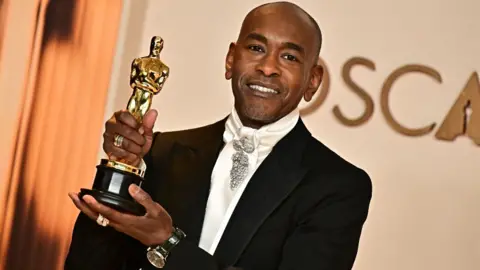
{"points": [[137, 139], [91, 213], [116, 126], [152, 208], [117, 153], [126, 118], [82, 206], [131, 149], [127, 146], [112, 215]]}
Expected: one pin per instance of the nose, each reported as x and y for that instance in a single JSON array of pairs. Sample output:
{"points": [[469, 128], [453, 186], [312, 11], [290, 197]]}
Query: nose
{"points": [[268, 65]]}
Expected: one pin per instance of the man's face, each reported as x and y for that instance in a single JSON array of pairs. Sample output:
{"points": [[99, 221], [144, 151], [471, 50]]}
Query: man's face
{"points": [[273, 65]]}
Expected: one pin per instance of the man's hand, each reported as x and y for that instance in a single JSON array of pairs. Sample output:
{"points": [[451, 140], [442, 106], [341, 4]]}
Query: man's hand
{"points": [[155, 227], [137, 139]]}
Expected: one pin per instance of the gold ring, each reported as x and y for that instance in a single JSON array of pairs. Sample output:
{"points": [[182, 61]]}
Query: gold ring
{"points": [[118, 140], [102, 221]]}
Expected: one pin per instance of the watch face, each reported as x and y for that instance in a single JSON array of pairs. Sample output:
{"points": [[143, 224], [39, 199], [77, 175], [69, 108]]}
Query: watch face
{"points": [[156, 258]]}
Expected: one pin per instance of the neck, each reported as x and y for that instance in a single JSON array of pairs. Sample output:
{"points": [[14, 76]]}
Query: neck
{"points": [[251, 123], [257, 124]]}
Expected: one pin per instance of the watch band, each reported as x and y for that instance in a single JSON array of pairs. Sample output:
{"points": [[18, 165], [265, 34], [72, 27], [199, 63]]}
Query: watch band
{"points": [[173, 240], [157, 255]]}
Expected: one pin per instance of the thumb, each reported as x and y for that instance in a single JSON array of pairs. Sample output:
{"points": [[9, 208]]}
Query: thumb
{"points": [[147, 126], [149, 121]]}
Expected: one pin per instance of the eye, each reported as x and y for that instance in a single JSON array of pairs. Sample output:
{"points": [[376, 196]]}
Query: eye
{"points": [[290, 57], [256, 48]]}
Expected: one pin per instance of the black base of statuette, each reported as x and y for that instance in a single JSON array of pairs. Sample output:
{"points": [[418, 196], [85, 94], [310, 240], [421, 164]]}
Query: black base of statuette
{"points": [[110, 188]]}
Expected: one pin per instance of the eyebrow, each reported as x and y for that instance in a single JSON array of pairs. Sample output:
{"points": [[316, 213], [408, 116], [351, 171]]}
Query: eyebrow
{"points": [[262, 38], [257, 37], [295, 47]]}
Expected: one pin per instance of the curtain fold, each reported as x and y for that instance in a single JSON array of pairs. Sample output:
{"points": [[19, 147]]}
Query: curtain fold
{"points": [[3, 15], [60, 128], [19, 55]]}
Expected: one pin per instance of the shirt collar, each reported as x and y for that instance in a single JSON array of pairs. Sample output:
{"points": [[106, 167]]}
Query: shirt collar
{"points": [[266, 136]]}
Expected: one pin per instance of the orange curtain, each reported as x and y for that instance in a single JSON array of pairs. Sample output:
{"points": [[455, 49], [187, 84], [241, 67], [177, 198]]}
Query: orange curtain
{"points": [[3, 14], [18, 35], [59, 128]]}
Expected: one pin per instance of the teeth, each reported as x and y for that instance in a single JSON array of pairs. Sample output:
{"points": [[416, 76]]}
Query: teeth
{"points": [[263, 89]]}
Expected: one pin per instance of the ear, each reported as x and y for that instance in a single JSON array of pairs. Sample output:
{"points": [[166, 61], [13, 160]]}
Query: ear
{"points": [[229, 61], [316, 77]]}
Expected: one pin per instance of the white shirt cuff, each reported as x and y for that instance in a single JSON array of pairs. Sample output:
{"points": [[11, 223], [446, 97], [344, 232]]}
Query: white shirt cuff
{"points": [[142, 166]]}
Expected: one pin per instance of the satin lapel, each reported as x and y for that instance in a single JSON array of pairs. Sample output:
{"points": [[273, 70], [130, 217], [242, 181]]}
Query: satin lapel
{"points": [[186, 178], [273, 181]]}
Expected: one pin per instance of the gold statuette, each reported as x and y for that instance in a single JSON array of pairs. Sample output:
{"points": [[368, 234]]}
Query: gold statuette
{"points": [[148, 74], [110, 187], [147, 77]]}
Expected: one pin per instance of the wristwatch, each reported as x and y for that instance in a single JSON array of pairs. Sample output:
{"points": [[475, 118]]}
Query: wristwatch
{"points": [[157, 255]]}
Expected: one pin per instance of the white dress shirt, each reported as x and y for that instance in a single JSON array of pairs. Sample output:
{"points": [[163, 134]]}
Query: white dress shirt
{"points": [[222, 199]]}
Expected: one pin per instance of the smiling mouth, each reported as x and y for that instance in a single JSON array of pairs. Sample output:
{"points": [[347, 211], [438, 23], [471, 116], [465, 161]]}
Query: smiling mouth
{"points": [[262, 89]]}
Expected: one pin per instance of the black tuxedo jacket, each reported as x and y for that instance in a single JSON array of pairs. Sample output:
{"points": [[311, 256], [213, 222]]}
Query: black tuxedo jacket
{"points": [[303, 209]]}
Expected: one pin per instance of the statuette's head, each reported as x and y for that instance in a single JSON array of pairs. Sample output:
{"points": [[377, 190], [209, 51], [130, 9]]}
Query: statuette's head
{"points": [[156, 46]]}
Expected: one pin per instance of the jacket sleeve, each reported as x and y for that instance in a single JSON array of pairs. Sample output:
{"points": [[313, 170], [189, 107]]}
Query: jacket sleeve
{"points": [[96, 247]]}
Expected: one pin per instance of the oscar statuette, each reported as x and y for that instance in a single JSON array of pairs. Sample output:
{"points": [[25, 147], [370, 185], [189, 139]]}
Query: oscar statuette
{"points": [[112, 179]]}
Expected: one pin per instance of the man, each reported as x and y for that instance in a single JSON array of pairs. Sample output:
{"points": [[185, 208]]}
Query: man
{"points": [[252, 191]]}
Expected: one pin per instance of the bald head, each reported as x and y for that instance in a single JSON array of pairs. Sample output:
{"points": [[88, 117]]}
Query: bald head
{"points": [[281, 8]]}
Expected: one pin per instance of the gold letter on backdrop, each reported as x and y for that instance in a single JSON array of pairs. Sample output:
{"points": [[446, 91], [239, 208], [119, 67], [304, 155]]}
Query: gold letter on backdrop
{"points": [[387, 86], [462, 119], [369, 105]]}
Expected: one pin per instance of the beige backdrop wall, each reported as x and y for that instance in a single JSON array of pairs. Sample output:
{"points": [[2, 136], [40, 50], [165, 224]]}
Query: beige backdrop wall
{"points": [[424, 214]]}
